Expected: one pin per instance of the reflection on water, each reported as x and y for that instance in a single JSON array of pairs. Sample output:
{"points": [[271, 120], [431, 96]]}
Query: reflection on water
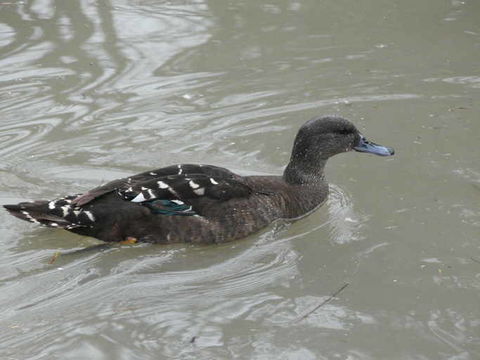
{"points": [[96, 90]]}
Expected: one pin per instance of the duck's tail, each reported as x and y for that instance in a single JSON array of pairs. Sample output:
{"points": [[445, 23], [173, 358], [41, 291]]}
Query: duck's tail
{"points": [[57, 213]]}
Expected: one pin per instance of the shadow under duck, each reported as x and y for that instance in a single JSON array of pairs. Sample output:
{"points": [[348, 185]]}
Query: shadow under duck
{"points": [[204, 203]]}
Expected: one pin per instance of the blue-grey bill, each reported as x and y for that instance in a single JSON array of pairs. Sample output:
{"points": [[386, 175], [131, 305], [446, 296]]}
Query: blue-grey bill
{"points": [[366, 146]]}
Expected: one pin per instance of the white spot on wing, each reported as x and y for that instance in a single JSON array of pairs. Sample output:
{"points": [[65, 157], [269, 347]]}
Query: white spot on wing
{"points": [[162, 185], [29, 217], [193, 184], [150, 193], [51, 205], [153, 173], [212, 180], [65, 210], [54, 224], [139, 198], [90, 215], [178, 202], [180, 170], [199, 192]]}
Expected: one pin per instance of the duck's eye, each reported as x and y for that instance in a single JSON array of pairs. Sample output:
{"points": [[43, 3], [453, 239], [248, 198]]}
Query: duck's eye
{"points": [[343, 131]]}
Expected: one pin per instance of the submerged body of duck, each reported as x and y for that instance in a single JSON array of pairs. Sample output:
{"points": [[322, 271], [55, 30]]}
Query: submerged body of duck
{"points": [[204, 203]]}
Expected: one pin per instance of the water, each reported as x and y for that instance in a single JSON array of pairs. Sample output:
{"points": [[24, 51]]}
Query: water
{"points": [[91, 91]]}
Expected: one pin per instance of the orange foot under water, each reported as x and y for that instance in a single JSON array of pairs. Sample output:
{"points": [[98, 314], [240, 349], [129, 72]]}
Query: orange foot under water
{"points": [[129, 241]]}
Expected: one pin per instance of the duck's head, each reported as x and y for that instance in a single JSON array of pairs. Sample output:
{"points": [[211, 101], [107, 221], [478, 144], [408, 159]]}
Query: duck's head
{"points": [[322, 137]]}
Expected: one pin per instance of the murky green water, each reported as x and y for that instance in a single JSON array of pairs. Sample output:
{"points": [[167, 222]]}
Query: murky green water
{"points": [[94, 90]]}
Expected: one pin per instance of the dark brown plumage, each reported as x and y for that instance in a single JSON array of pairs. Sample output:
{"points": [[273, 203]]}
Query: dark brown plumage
{"points": [[204, 203]]}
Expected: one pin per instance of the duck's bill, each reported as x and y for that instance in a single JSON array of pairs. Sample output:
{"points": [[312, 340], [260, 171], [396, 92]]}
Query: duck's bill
{"points": [[369, 147]]}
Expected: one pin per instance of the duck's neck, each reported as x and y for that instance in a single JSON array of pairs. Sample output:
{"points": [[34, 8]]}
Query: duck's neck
{"points": [[300, 172]]}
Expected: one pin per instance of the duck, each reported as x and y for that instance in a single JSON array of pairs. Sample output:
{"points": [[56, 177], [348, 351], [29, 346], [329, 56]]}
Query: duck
{"points": [[204, 204]]}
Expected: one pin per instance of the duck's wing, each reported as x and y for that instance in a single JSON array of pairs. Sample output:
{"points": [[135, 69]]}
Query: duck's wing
{"points": [[176, 182], [184, 194]]}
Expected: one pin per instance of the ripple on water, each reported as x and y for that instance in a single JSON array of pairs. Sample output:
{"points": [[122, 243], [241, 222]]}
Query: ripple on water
{"points": [[25, 134], [148, 291], [93, 91], [159, 298], [346, 223]]}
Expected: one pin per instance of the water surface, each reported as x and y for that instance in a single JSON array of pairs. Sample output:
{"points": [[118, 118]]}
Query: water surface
{"points": [[95, 90]]}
